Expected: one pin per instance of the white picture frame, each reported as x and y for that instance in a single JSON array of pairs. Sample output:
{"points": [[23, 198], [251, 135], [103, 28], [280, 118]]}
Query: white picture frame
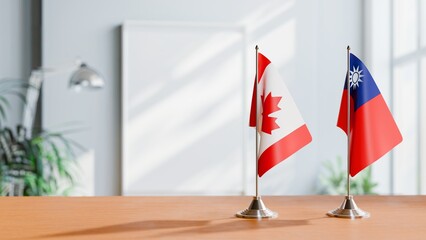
{"points": [[184, 109]]}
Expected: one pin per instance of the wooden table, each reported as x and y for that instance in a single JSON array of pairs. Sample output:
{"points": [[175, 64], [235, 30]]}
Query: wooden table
{"points": [[300, 217]]}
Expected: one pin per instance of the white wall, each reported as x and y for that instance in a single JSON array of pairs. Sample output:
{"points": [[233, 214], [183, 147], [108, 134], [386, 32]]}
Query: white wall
{"points": [[15, 48], [395, 57], [310, 53], [378, 59]]}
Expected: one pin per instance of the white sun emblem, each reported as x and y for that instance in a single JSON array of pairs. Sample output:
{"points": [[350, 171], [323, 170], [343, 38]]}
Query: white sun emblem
{"points": [[355, 77]]}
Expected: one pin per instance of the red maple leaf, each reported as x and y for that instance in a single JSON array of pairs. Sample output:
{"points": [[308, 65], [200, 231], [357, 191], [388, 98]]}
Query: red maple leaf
{"points": [[270, 105]]}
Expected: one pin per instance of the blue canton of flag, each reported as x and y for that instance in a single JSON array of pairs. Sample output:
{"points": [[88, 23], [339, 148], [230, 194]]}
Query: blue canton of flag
{"points": [[363, 87]]}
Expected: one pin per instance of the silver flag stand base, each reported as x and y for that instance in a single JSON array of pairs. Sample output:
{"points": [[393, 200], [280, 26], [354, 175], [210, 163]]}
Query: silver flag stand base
{"points": [[257, 209], [348, 209]]}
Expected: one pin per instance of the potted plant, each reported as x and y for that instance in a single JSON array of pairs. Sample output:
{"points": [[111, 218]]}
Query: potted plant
{"points": [[32, 166]]}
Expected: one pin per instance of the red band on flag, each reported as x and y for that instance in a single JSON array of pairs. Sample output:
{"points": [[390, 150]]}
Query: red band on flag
{"points": [[283, 148], [263, 62]]}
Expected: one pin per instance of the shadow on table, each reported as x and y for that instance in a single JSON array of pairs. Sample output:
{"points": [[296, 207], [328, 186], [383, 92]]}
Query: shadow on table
{"points": [[196, 226], [129, 227], [238, 225]]}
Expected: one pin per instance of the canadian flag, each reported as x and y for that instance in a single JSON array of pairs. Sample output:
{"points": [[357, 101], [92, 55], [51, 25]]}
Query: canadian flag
{"points": [[281, 128]]}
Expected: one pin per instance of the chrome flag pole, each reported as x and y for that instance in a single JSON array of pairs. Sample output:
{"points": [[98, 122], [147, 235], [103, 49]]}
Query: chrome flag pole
{"points": [[348, 209], [257, 122], [257, 208]]}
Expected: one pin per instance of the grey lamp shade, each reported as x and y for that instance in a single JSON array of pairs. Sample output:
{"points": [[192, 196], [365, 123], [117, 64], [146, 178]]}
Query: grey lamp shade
{"points": [[86, 77]]}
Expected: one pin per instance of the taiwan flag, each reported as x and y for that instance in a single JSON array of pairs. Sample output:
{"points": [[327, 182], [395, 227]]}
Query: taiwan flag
{"points": [[373, 130], [281, 128]]}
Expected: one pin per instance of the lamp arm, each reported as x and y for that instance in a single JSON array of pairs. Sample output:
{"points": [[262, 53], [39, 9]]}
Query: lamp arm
{"points": [[48, 71], [33, 93], [32, 96]]}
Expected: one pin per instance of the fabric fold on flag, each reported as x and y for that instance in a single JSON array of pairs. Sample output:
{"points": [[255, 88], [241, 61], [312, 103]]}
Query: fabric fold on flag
{"points": [[373, 130], [281, 128]]}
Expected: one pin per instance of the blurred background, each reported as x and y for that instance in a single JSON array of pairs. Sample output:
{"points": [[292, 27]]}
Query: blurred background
{"points": [[172, 117]]}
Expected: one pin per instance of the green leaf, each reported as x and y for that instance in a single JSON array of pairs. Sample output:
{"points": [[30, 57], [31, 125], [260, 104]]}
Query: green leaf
{"points": [[4, 101], [2, 113], [31, 183]]}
